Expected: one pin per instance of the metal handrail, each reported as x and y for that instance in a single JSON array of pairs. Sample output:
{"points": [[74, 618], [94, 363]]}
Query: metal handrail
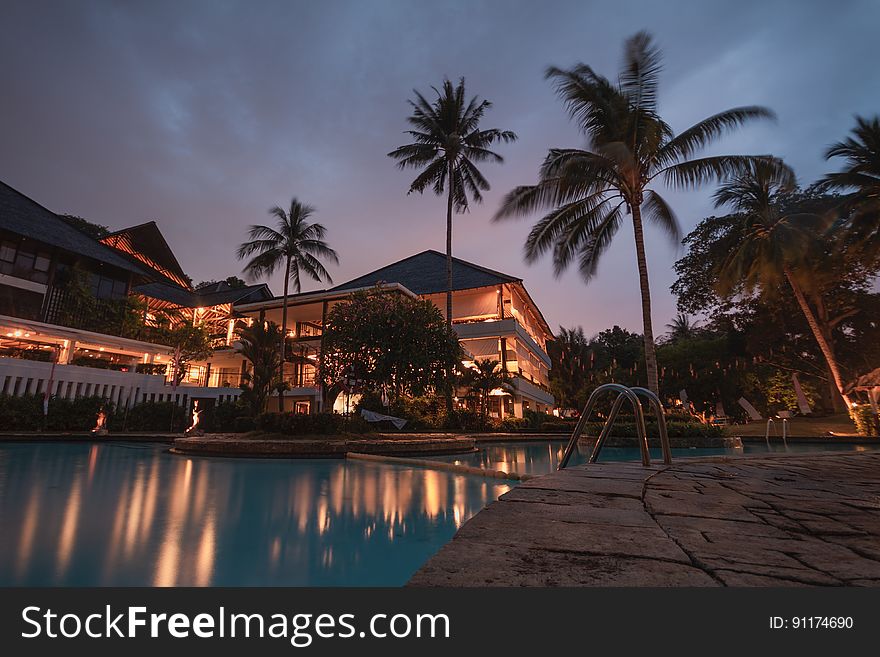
{"points": [[784, 432], [661, 421], [624, 393]]}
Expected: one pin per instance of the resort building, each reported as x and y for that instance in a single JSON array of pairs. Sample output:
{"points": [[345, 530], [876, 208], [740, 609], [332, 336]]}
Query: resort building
{"points": [[68, 301], [66, 309], [493, 314]]}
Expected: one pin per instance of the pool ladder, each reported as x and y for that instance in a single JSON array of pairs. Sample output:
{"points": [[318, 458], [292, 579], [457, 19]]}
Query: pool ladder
{"points": [[624, 393]]}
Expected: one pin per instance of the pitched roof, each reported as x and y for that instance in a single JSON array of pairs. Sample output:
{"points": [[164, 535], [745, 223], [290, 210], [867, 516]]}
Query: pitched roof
{"points": [[22, 215], [146, 244], [180, 296], [425, 273]]}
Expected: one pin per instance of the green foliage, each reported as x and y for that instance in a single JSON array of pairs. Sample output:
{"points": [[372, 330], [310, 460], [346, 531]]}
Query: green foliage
{"points": [[447, 135], [25, 413], [781, 395], [93, 230], [580, 365], [156, 416], [260, 343], [319, 424], [190, 343], [866, 421], [421, 413], [390, 340], [224, 416]]}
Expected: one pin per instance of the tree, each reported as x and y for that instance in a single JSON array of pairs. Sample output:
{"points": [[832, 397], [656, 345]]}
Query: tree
{"points": [[260, 344], [572, 359], [389, 341], [190, 343], [234, 282], [93, 230], [861, 178], [681, 328], [447, 145], [296, 245], [770, 246], [485, 376], [629, 148]]}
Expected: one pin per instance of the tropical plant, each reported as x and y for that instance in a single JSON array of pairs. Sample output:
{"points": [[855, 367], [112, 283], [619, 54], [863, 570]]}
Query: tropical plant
{"points": [[629, 148], [294, 244], [190, 343], [485, 376], [681, 328], [260, 343], [861, 179], [447, 144], [388, 341], [769, 246]]}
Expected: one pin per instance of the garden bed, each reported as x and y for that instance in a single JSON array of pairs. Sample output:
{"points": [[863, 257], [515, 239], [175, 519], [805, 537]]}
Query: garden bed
{"points": [[269, 445]]}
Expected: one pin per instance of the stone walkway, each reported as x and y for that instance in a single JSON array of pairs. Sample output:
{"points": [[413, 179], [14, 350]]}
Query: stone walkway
{"points": [[772, 520]]}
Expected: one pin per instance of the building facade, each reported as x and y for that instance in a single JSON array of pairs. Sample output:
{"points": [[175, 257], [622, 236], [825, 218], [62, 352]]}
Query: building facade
{"points": [[492, 313], [68, 299]]}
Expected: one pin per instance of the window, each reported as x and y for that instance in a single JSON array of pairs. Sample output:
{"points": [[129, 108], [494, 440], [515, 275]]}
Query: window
{"points": [[42, 262], [7, 252]]}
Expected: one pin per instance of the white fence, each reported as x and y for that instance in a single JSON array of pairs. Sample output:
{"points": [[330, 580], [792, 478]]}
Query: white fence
{"points": [[124, 389]]}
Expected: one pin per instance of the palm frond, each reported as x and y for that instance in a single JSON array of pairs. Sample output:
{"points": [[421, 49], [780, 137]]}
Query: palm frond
{"points": [[702, 134], [641, 72], [659, 212]]}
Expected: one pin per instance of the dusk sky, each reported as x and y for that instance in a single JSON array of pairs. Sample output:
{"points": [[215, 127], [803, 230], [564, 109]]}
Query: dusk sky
{"points": [[202, 115]]}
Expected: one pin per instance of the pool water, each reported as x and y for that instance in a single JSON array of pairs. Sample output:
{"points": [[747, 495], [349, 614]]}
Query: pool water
{"points": [[131, 514], [541, 457]]}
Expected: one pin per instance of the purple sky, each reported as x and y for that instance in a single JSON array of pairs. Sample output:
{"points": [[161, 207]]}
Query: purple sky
{"points": [[202, 115]]}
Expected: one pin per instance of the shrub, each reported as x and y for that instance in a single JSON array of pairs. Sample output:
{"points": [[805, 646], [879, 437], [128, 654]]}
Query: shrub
{"points": [[867, 423], [155, 416], [224, 415], [243, 424], [23, 413], [77, 414], [322, 424]]}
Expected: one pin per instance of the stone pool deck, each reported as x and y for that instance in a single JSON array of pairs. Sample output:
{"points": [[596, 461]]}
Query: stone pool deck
{"points": [[769, 520]]}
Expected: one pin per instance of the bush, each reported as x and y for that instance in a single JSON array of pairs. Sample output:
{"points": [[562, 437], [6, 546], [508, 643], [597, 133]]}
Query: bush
{"points": [[867, 423], [23, 413], [224, 415], [243, 424], [77, 414], [155, 416], [515, 424], [322, 424]]}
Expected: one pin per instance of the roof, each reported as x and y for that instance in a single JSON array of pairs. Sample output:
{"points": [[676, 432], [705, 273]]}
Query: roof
{"points": [[425, 273], [146, 244], [22, 215], [180, 296]]}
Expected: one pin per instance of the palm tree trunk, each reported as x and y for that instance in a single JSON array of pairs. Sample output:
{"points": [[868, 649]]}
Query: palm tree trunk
{"points": [[824, 344], [448, 391], [283, 334], [648, 328]]}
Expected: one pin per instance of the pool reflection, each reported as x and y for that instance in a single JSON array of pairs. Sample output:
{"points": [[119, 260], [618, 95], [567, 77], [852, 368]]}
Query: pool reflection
{"points": [[123, 514]]}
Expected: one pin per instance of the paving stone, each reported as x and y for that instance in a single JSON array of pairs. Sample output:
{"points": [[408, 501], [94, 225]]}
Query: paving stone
{"points": [[774, 520]]}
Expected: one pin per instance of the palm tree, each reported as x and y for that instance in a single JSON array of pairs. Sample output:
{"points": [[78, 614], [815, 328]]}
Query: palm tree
{"points": [[447, 144], [768, 247], [861, 179], [485, 376], [295, 244], [681, 328], [259, 344], [628, 148]]}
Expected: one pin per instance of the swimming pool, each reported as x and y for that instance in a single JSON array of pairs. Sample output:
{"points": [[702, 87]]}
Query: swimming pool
{"points": [[127, 514], [541, 457]]}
